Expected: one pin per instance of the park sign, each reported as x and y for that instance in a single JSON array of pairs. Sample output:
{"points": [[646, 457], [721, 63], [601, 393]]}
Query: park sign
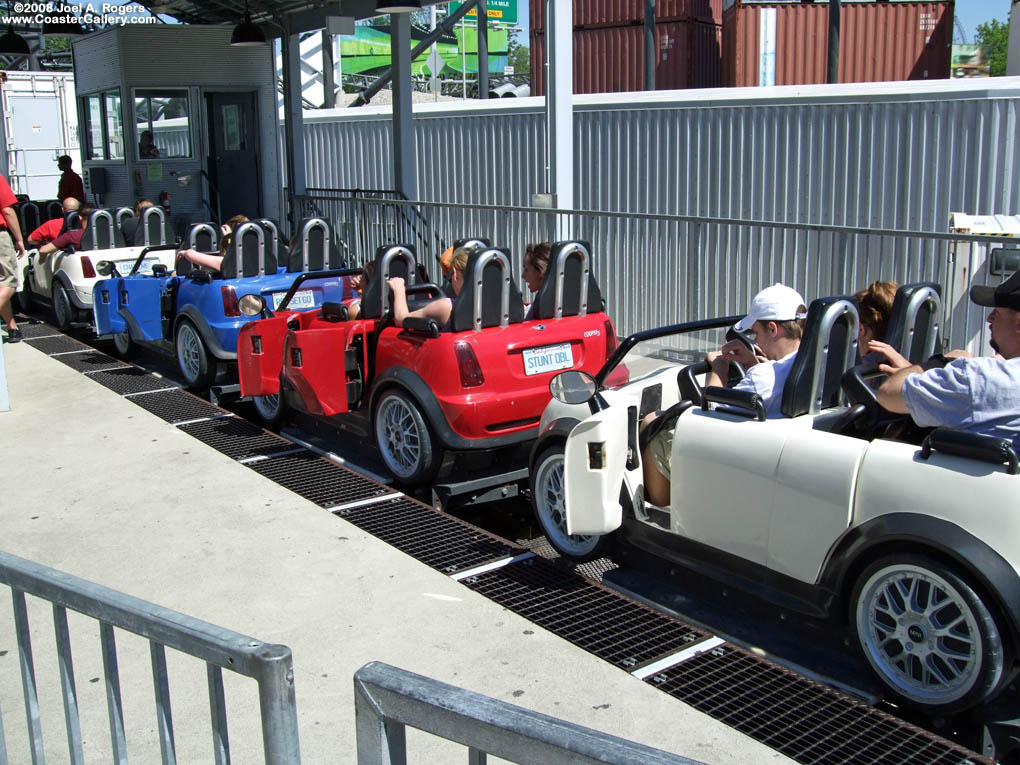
{"points": [[503, 11]]}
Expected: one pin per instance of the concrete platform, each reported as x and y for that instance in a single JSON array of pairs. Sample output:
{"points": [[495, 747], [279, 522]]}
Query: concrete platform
{"points": [[97, 487]]}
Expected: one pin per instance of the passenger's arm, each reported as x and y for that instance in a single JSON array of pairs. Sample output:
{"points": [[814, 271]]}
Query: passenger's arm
{"points": [[890, 394], [203, 258], [399, 306], [720, 369]]}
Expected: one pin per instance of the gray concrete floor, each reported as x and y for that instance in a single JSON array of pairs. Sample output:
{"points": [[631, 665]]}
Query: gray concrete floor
{"points": [[97, 487]]}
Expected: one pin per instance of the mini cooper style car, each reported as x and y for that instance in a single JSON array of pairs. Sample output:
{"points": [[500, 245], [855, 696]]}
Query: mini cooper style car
{"points": [[918, 546], [64, 280], [196, 316], [422, 392]]}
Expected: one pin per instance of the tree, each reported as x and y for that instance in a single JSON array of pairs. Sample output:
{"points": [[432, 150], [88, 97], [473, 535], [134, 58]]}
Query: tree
{"points": [[519, 56], [994, 35]]}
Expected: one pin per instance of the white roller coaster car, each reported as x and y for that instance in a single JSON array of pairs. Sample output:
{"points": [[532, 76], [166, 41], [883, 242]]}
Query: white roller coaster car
{"points": [[917, 546], [64, 279]]}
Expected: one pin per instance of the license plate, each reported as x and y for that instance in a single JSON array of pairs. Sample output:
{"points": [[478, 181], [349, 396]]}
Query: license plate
{"points": [[124, 266], [548, 359], [301, 299]]}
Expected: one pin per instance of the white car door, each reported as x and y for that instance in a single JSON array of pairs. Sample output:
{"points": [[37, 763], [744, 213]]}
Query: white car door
{"points": [[595, 462]]}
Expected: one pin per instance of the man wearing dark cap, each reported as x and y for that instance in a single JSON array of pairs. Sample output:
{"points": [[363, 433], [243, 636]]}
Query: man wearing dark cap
{"points": [[980, 395]]}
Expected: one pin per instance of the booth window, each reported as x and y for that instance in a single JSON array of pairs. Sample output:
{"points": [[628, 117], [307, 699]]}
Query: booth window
{"points": [[104, 130], [161, 119]]}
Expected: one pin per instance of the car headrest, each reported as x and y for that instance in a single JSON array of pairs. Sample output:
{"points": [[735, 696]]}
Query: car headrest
{"points": [[828, 348], [560, 294], [489, 297], [204, 237], [102, 232], [153, 229], [72, 221], [313, 249], [390, 260], [29, 216], [275, 231], [250, 253], [914, 321]]}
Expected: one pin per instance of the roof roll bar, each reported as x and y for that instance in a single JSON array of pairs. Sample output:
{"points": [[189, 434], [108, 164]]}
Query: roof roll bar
{"points": [[157, 211], [198, 229], [238, 244], [94, 219], [121, 214], [489, 256], [559, 268], [306, 229], [276, 233], [396, 252], [833, 313], [924, 296]]}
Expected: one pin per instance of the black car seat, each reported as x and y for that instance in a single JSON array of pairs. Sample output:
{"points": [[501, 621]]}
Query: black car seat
{"points": [[276, 233], [570, 265], [152, 230], [250, 253], [390, 261], [313, 248], [489, 297], [828, 348], [204, 237], [53, 209], [914, 321], [102, 233], [30, 217], [127, 223]]}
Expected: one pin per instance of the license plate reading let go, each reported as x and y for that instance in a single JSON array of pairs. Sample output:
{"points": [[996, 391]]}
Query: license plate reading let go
{"points": [[548, 359], [301, 299]]}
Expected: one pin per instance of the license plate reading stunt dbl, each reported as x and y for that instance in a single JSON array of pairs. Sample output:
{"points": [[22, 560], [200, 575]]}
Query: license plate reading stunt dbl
{"points": [[548, 359]]}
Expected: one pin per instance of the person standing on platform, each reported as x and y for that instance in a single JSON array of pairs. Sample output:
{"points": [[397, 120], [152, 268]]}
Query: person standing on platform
{"points": [[12, 246], [71, 184]]}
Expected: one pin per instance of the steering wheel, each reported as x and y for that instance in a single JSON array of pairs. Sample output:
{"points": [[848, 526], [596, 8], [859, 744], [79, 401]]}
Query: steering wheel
{"points": [[687, 379], [865, 413]]}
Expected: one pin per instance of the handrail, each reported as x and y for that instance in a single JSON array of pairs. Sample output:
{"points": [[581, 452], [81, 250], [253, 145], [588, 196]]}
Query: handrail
{"points": [[270, 665], [386, 699]]}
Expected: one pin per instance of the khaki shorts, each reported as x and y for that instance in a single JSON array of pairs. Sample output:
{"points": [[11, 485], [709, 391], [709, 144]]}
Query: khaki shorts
{"points": [[8, 261], [661, 449]]}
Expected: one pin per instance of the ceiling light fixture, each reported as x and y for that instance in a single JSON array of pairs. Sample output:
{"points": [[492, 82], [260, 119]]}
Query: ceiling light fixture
{"points": [[247, 32], [12, 44], [397, 6]]}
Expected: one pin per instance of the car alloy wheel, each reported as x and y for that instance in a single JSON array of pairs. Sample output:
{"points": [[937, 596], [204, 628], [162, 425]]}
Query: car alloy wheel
{"points": [[124, 346], [547, 501], [193, 359], [270, 409], [928, 635], [404, 439], [63, 313]]}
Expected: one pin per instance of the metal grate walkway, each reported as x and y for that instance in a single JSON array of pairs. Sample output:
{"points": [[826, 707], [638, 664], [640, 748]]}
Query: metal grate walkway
{"points": [[807, 721]]}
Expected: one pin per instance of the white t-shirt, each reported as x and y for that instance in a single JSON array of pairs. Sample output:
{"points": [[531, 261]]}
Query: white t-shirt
{"points": [[768, 379]]}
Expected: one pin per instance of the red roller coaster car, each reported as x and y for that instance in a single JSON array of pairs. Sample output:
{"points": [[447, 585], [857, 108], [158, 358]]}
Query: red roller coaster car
{"points": [[421, 391]]}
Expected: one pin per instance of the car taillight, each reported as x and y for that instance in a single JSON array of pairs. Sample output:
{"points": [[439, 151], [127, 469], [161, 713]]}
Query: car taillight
{"points": [[230, 304], [86, 267], [470, 372], [611, 341]]}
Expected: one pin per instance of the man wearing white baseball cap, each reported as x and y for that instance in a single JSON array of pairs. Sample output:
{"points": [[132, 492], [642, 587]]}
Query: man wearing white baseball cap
{"points": [[775, 324]]}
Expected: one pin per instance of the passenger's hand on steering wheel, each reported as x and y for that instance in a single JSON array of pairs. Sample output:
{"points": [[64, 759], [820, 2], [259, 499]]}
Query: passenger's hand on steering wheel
{"points": [[742, 353], [895, 360], [396, 283]]}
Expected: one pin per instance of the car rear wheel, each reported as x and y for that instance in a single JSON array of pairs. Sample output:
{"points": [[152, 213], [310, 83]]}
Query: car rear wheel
{"points": [[124, 346], [269, 409], [63, 311], [404, 439], [193, 358], [547, 501], [25, 298], [927, 634]]}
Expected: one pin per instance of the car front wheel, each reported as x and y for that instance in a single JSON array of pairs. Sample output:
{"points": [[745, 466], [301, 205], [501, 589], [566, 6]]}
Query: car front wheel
{"points": [[404, 439], [269, 409], [193, 358], [547, 501], [124, 346], [927, 634], [63, 311]]}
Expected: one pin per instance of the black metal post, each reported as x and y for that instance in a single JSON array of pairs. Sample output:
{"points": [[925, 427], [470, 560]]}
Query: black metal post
{"points": [[650, 46], [833, 70], [483, 49]]}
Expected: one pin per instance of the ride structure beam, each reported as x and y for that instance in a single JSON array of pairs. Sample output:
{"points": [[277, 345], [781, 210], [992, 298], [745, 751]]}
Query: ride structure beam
{"points": [[404, 162]]}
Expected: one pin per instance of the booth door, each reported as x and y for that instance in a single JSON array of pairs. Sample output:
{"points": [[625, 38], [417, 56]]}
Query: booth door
{"points": [[234, 155]]}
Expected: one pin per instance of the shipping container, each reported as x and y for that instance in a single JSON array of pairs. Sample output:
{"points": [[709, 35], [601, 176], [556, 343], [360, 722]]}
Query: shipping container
{"points": [[620, 13], [612, 59], [787, 44]]}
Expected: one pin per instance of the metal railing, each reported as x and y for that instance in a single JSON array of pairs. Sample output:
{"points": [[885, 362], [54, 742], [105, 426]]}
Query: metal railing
{"points": [[268, 664], [387, 699], [666, 269]]}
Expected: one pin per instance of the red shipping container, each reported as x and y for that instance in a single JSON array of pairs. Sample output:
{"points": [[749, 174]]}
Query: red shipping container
{"points": [[612, 59], [620, 13], [878, 42]]}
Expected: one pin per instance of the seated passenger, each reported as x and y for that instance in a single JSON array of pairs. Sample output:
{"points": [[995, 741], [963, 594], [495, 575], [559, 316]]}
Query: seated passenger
{"points": [[979, 395], [209, 260], [439, 309], [874, 305], [70, 238], [51, 229], [776, 320], [536, 263], [358, 284]]}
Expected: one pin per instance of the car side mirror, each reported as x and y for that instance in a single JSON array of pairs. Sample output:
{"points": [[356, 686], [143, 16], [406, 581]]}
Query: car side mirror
{"points": [[573, 387], [105, 267]]}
